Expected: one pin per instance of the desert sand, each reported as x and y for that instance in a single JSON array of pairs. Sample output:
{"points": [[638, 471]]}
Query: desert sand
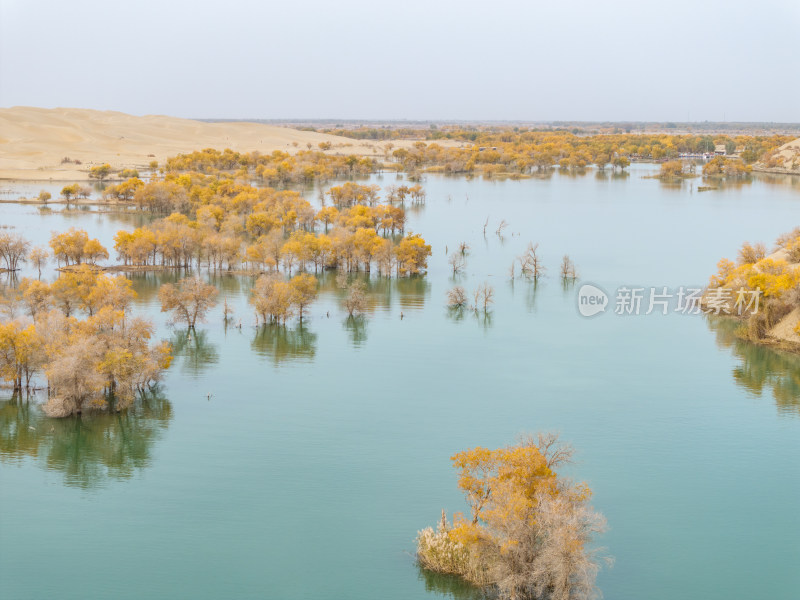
{"points": [[33, 141], [784, 330], [789, 157]]}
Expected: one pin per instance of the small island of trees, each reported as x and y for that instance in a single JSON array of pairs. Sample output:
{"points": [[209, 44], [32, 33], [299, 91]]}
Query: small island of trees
{"points": [[529, 532], [75, 338]]}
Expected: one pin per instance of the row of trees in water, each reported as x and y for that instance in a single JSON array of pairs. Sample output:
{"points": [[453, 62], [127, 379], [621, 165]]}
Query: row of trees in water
{"points": [[637, 143], [530, 265], [719, 167], [227, 224], [546, 151], [489, 152], [73, 247], [277, 168], [274, 298]]}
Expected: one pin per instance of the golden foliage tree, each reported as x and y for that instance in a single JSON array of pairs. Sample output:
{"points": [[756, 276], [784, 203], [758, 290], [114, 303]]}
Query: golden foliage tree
{"points": [[412, 255], [13, 249], [529, 532], [100, 172], [304, 292], [104, 358], [355, 303], [188, 301]]}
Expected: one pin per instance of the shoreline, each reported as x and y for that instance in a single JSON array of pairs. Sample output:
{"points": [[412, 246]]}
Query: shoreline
{"points": [[775, 170], [775, 340], [62, 202], [119, 268]]}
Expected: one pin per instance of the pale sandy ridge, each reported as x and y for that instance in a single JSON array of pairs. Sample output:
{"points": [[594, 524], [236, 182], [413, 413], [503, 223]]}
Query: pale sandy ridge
{"points": [[33, 141], [785, 328], [788, 157]]}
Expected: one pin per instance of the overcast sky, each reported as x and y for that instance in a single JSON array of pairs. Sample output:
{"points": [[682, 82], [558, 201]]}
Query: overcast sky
{"points": [[433, 59]]}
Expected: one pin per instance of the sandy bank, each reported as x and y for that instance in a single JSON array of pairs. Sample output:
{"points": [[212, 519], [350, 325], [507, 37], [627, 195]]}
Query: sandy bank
{"points": [[34, 141], [782, 335], [787, 160]]}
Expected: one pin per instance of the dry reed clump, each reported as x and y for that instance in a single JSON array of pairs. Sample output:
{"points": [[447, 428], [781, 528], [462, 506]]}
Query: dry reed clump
{"points": [[759, 324], [58, 408], [757, 327], [439, 551]]}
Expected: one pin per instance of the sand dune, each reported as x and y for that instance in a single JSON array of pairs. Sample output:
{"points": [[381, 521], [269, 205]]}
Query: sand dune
{"points": [[785, 328], [789, 159], [33, 141]]}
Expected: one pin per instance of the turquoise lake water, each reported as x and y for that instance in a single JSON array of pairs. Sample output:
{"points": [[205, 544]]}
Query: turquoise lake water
{"points": [[324, 448]]}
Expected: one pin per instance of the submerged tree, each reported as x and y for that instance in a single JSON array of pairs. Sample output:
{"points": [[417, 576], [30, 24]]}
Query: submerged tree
{"points": [[189, 300], [13, 249], [35, 296], [276, 300], [304, 291], [568, 268], [412, 255], [456, 297], [484, 297], [457, 261], [106, 358], [273, 299], [355, 303], [530, 264], [227, 311], [38, 256], [21, 353], [74, 246]]}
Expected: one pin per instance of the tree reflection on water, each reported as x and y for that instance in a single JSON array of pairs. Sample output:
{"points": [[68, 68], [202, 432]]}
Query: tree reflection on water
{"points": [[450, 585], [89, 449], [194, 351], [281, 343], [356, 326], [761, 368]]}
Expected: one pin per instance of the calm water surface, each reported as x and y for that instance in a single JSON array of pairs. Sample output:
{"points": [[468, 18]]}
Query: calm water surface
{"points": [[324, 448]]}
